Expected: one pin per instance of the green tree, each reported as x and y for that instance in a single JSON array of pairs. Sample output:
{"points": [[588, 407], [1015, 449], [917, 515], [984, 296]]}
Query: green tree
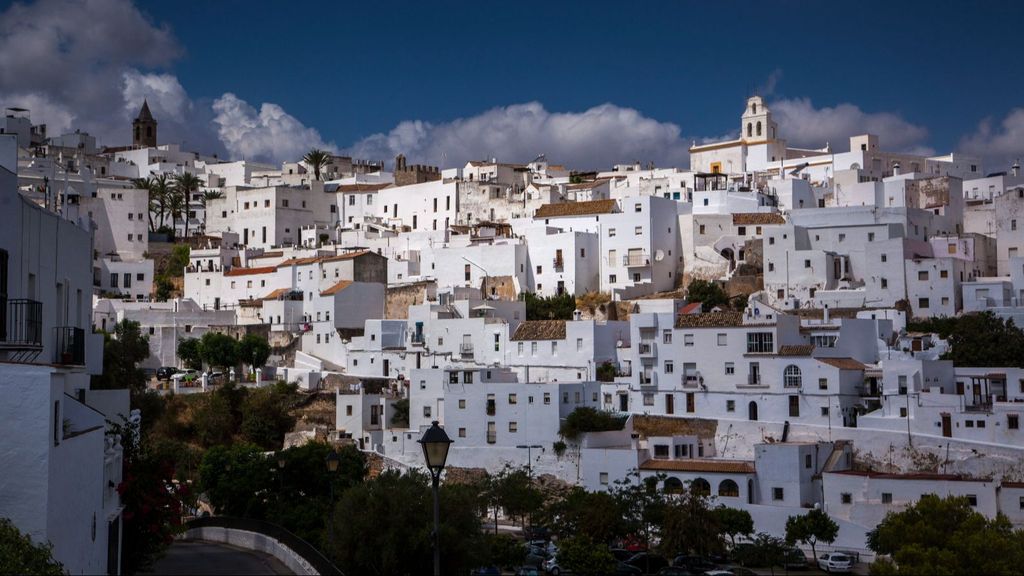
{"points": [[363, 544], [164, 287], [189, 352], [580, 554], [587, 419], [599, 515], [644, 503], [708, 293], [218, 350], [19, 555], [811, 528], [237, 479], [185, 185], [265, 416], [400, 416], [512, 490], [178, 260], [122, 353], [159, 199], [254, 350], [946, 536], [690, 525], [317, 159], [765, 551], [983, 339], [734, 522], [549, 307]]}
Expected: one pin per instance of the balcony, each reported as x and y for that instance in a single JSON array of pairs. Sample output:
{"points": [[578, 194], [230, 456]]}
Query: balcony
{"points": [[466, 350], [691, 379], [648, 349], [417, 340], [69, 346], [636, 260], [754, 380], [558, 263], [21, 325], [648, 378]]}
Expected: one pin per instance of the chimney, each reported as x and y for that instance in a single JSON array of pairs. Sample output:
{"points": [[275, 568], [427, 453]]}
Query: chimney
{"points": [[825, 317], [896, 169], [1015, 169]]}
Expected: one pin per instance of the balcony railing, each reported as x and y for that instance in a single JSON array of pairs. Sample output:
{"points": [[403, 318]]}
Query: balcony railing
{"points": [[648, 378], [466, 350], [558, 263], [648, 349], [753, 379], [21, 324], [691, 380], [417, 340], [69, 346], [636, 260]]}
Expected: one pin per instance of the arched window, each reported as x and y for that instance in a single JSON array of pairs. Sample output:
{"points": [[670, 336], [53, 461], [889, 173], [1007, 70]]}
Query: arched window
{"points": [[728, 488], [791, 376], [700, 486], [758, 128], [753, 107], [752, 411], [673, 485], [750, 129]]}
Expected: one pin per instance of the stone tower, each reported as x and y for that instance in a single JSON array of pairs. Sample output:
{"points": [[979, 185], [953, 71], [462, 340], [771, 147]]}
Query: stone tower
{"points": [[144, 128]]}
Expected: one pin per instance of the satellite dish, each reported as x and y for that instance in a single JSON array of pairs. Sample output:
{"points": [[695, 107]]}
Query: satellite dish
{"points": [[659, 255], [618, 343]]}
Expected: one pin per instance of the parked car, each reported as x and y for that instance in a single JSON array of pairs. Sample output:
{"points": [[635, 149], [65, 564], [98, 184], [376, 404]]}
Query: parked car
{"points": [[186, 376], [165, 372], [551, 567], [623, 569], [795, 559], [695, 564], [528, 571], [649, 563], [835, 562]]}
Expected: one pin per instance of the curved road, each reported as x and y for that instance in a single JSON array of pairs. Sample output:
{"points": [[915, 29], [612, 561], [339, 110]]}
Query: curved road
{"points": [[198, 557]]}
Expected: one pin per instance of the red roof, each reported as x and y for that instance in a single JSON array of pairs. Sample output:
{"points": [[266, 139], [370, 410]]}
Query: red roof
{"points": [[249, 271], [691, 308], [336, 288]]}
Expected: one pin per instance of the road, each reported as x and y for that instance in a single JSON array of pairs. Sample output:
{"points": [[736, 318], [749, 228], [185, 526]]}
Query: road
{"points": [[197, 557]]}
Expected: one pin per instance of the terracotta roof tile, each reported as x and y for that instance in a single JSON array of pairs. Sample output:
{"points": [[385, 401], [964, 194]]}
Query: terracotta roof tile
{"points": [[757, 219], [710, 320], [274, 254], [299, 261], [346, 256], [691, 308], [576, 208], [337, 288], [843, 363], [796, 349], [912, 476], [540, 330], [695, 465], [274, 295], [588, 185], [247, 271]]}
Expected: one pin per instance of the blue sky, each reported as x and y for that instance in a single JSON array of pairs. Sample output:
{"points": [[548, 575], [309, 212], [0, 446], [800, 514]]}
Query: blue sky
{"points": [[929, 73]]}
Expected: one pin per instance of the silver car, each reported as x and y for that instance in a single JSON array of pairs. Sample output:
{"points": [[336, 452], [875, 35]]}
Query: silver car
{"points": [[835, 562]]}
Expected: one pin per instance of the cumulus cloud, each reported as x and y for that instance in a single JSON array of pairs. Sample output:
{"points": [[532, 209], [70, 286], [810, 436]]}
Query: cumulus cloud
{"points": [[999, 144], [167, 98], [595, 138], [770, 83], [267, 134], [802, 124], [66, 59]]}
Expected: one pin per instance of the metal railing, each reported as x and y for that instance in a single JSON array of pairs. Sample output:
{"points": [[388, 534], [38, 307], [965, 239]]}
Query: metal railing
{"points": [[648, 349], [466, 349], [558, 263], [69, 345], [21, 324], [636, 260], [753, 379]]}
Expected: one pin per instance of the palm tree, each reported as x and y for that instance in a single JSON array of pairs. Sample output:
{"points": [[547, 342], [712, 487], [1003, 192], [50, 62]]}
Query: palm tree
{"points": [[159, 196], [176, 202], [207, 196], [186, 183], [317, 159]]}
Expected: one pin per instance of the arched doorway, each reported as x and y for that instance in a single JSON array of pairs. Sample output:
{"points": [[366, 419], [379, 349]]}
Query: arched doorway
{"points": [[752, 411], [673, 485], [728, 255], [729, 488], [700, 486]]}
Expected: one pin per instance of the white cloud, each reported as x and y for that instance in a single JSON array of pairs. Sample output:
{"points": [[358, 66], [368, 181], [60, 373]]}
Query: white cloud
{"points": [[271, 134], [999, 145], [595, 138], [804, 125], [167, 98], [68, 57]]}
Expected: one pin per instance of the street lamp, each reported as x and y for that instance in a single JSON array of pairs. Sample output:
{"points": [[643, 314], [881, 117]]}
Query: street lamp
{"points": [[332, 467], [529, 456], [435, 444]]}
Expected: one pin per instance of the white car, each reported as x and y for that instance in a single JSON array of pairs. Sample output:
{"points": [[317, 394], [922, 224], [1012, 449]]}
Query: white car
{"points": [[551, 567], [835, 562]]}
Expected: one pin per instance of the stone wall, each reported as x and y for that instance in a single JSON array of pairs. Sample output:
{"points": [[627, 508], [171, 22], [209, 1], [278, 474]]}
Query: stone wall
{"points": [[397, 299]]}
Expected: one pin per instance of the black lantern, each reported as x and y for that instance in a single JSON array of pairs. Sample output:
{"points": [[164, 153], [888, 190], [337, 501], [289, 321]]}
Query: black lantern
{"points": [[332, 462], [435, 444]]}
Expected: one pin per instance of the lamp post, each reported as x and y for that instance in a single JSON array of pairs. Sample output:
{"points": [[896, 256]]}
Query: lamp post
{"points": [[529, 456], [435, 444], [280, 469], [332, 467]]}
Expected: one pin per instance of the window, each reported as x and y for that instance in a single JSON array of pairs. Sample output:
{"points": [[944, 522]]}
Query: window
{"points": [[547, 398], [807, 263], [611, 232], [603, 476], [519, 348], [846, 498], [513, 427], [1012, 422], [885, 283], [666, 337], [512, 399], [533, 348], [612, 279], [922, 302], [687, 339], [760, 342], [730, 368], [885, 258], [669, 367], [778, 494], [791, 376], [723, 339], [922, 275], [871, 236], [981, 423], [637, 208], [113, 280], [661, 450], [1013, 224], [824, 410], [426, 411], [842, 237], [822, 383], [701, 229], [648, 399], [730, 405]]}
